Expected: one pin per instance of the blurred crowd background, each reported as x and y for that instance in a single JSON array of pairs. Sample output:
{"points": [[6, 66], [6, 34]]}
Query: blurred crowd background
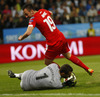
{"points": [[64, 12]]}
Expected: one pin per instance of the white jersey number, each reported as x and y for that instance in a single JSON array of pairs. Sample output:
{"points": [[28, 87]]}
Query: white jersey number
{"points": [[50, 23]]}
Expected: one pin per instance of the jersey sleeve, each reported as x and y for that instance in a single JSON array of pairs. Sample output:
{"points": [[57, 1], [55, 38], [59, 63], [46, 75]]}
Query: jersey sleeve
{"points": [[32, 22]]}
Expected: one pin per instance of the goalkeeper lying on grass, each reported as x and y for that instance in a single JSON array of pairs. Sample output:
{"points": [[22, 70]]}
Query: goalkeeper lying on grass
{"points": [[46, 78]]}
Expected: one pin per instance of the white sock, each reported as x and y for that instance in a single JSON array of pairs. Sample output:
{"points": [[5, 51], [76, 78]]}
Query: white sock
{"points": [[18, 75]]}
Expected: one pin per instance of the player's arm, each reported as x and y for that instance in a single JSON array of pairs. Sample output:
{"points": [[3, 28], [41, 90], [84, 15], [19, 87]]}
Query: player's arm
{"points": [[51, 13], [26, 34]]}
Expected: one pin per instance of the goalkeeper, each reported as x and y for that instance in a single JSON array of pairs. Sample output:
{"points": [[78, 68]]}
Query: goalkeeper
{"points": [[46, 78]]}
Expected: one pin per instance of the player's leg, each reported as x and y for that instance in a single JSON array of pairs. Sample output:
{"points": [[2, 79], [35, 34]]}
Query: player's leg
{"points": [[50, 56], [14, 75], [77, 61], [48, 61]]}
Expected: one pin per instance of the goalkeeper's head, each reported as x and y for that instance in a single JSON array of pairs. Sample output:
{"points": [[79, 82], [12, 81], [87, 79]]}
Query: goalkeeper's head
{"points": [[66, 70]]}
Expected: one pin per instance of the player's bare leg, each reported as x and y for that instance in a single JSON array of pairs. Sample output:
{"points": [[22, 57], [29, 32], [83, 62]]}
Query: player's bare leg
{"points": [[78, 62], [48, 61]]}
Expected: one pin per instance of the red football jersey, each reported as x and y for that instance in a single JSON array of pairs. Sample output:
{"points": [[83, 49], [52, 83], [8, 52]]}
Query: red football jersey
{"points": [[43, 21]]}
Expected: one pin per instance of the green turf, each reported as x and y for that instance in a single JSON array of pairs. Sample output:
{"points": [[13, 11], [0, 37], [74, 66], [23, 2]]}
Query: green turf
{"points": [[86, 84]]}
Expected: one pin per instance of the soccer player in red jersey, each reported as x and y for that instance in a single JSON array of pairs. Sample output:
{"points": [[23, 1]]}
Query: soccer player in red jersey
{"points": [[57, 43]]}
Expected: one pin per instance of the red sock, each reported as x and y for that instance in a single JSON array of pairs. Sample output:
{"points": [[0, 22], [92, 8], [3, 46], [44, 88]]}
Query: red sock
{"points": [[78, 62]]}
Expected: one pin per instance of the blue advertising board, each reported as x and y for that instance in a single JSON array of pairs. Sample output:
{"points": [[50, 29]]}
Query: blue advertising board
{"points": [[69, 30], [11, 35]]}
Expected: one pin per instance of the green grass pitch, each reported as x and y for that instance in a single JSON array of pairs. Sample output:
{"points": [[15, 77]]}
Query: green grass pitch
{"points": [[87, 86]]}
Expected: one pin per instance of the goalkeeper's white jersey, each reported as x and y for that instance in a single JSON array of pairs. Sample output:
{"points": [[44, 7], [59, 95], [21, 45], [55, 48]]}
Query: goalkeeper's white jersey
{"points": [[48, 77]]}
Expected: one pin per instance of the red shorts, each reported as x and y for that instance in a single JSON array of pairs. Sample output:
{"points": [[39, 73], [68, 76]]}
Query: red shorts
{"points": [[59, 48]]}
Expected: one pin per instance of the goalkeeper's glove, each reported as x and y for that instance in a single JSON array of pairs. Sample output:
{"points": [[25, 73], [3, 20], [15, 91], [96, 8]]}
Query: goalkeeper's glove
{"points": [[70, 81]]}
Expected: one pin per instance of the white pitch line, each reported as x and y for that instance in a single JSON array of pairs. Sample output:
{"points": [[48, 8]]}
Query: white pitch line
{"points": [[52, 94]]}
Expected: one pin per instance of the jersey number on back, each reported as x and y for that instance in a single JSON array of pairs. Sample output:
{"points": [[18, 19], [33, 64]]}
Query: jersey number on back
{"points": [[50, 23], [42, 77]]}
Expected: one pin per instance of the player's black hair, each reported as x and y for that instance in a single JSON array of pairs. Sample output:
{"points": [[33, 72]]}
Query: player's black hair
{"points": [[66, 68], [28, 6]]}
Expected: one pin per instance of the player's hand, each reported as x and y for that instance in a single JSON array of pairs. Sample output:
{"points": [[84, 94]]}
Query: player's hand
{"points": [[20, 38]]}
